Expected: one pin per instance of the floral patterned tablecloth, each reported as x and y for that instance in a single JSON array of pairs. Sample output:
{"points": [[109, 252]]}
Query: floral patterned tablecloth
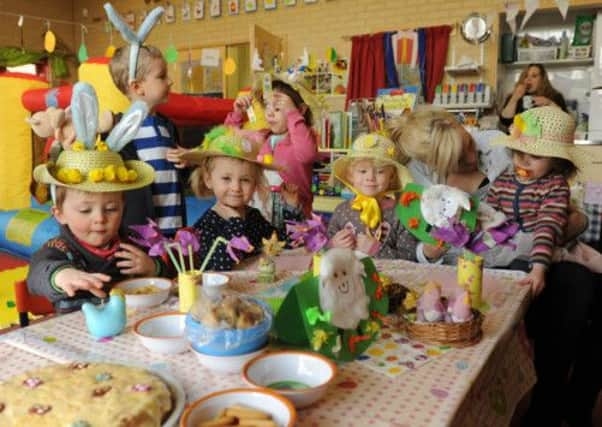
{"points": [[478, 385]]}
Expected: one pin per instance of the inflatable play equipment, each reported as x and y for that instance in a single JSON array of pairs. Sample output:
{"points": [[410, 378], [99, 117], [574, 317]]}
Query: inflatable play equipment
{"points": [[15, 140], [25, 226]]}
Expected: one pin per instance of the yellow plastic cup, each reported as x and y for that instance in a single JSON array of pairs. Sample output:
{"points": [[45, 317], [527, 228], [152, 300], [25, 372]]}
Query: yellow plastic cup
{"points": [[470, 277], [187, 283]]}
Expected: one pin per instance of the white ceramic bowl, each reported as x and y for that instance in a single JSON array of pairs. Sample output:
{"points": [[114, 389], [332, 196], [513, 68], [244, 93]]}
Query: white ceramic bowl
{"points": [[148, 299], [163, 332], [282, 411], [302, 377], [214, 283], [227, 364]]}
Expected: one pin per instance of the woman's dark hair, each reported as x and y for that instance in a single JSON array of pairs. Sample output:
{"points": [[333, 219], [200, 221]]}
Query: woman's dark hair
{"points": [[546, 89], [288, 90]]}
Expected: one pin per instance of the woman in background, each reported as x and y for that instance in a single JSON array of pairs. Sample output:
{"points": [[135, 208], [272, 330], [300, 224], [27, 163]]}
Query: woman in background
{"points": [[533, 89]]}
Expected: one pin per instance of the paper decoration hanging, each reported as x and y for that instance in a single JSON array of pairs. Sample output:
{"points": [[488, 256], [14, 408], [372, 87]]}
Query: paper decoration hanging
{"points": [[233, 7], [229, 66], [250, 5], [110, 50], [49, 39], [199, 9], [563, 7], [82, 53], [171, 54], [20, 25], [185, 11], [332, 55], [269, 4], [512, 10], [530, 7], [215, 8], [257, 64], [170, 14]]}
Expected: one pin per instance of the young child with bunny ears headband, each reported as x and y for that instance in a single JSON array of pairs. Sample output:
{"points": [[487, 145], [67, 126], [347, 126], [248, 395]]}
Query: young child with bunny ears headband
{"points": [[140, 72], [88, 182]]}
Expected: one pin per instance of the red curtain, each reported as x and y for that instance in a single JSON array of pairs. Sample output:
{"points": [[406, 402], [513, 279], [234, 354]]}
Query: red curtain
{"points": [[367, 68], [437, 41]]}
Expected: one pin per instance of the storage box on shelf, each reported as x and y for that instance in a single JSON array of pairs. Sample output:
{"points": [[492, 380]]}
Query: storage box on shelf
{"points": [[580, 52], [537, 54]]}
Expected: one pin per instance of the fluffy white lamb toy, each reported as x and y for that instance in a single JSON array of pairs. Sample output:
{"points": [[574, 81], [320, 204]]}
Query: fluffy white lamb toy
{"points": [[342, 290]]}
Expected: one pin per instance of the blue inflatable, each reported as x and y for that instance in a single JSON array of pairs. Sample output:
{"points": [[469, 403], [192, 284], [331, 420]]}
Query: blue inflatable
{"points": [[24, 231]]}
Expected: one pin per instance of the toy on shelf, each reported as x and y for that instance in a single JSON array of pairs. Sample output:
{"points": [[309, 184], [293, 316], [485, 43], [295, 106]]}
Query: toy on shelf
{"points": [[337, 312], [106, 320], [267, 265]]}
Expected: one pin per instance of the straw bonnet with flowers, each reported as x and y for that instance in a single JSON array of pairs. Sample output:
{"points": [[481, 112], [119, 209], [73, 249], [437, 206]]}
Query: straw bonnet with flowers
{"points": [[92, 164], [547, 132], [383, 151], [224, 141]]}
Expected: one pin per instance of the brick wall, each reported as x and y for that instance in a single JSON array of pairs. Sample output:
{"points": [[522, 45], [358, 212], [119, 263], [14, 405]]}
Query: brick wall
{"points": [[316, 26]]}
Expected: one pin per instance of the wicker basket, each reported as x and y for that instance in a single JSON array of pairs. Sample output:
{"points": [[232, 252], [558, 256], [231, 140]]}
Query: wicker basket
{"points": [[442, 333]]}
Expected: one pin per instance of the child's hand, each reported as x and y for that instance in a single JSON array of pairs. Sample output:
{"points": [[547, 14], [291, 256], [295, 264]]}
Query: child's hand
{"points": [[535, 279], [283, 103], [343, 239], [173, 156], [365, 243], [242, 103], [134, 261], [71, 280], [433, 252]]}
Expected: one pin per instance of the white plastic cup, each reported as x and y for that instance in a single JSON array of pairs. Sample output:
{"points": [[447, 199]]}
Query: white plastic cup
{"points": [[214, 284]]}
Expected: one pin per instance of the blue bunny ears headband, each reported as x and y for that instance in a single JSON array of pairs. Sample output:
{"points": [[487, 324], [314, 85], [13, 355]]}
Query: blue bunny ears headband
{"points": [[134, 39], [91, 164]]}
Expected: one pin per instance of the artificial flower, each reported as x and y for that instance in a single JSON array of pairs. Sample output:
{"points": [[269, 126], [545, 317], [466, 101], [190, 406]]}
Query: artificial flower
{"points": [[311, 233], [318, 338], [238, 244], [188, 237]]}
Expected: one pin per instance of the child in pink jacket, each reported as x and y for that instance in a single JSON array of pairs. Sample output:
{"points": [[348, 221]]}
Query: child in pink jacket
{"points": [[292, 144]]}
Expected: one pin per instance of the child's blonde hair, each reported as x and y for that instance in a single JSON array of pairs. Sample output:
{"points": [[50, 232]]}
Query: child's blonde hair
{"points": [[430, 136], [378, 164], [206, 166], [120, 63]]}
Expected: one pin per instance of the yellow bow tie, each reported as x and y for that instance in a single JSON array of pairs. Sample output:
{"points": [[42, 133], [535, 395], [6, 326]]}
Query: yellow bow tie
{"points": [[369, 208]]}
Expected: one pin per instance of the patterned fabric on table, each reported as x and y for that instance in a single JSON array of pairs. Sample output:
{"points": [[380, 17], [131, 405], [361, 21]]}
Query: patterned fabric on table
{"points": [[594, 214]]}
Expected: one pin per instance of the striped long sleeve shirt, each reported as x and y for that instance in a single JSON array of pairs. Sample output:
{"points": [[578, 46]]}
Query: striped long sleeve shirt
{"points": [[539, 206], [152, 142]]}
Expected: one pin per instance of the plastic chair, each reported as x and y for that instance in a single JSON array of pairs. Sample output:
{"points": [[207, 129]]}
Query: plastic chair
{"points": [[27, 303]]}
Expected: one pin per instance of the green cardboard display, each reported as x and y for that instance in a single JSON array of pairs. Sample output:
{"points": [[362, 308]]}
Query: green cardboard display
{"points": [[292, 326], [423, 229]]}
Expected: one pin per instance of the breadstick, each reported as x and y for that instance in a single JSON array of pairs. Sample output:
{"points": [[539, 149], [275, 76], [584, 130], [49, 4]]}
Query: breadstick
{"points": [[256, 423], [219, 422], [247, 413]]}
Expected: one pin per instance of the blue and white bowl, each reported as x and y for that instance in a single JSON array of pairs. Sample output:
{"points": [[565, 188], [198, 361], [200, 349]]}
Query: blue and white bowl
{"points": [[229, 342]]}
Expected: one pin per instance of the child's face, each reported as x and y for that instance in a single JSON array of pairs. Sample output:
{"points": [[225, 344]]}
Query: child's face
{"points": [[233, 181], [369, 179], [94, 218], [276, 112], [153, 89], [529, 167]]}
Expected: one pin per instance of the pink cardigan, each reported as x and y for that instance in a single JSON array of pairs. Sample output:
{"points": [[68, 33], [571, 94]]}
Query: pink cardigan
{"points": [[294, 154]]}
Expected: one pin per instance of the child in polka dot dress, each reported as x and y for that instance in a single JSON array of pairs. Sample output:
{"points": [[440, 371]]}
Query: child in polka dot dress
{"points": [[368, 223], [227, 167]]}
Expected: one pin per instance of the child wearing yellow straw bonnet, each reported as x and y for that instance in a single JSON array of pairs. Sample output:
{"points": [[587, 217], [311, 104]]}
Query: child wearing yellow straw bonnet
{"points": [[87, 183], [368, 223], [230, 168], [536, 193]]}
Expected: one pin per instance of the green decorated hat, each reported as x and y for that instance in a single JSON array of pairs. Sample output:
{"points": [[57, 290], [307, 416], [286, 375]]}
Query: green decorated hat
{"points": [[548, 132], [419, 219], [223, 141]]}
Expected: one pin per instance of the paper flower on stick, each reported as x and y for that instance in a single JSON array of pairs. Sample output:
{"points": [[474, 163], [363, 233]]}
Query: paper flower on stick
{"points": [[310, 233], [149, 236], [238, 244], [189, 239]]}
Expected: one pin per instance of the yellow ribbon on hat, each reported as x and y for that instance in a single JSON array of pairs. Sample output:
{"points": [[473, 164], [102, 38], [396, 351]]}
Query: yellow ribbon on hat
{"points": [[369, 208]]}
